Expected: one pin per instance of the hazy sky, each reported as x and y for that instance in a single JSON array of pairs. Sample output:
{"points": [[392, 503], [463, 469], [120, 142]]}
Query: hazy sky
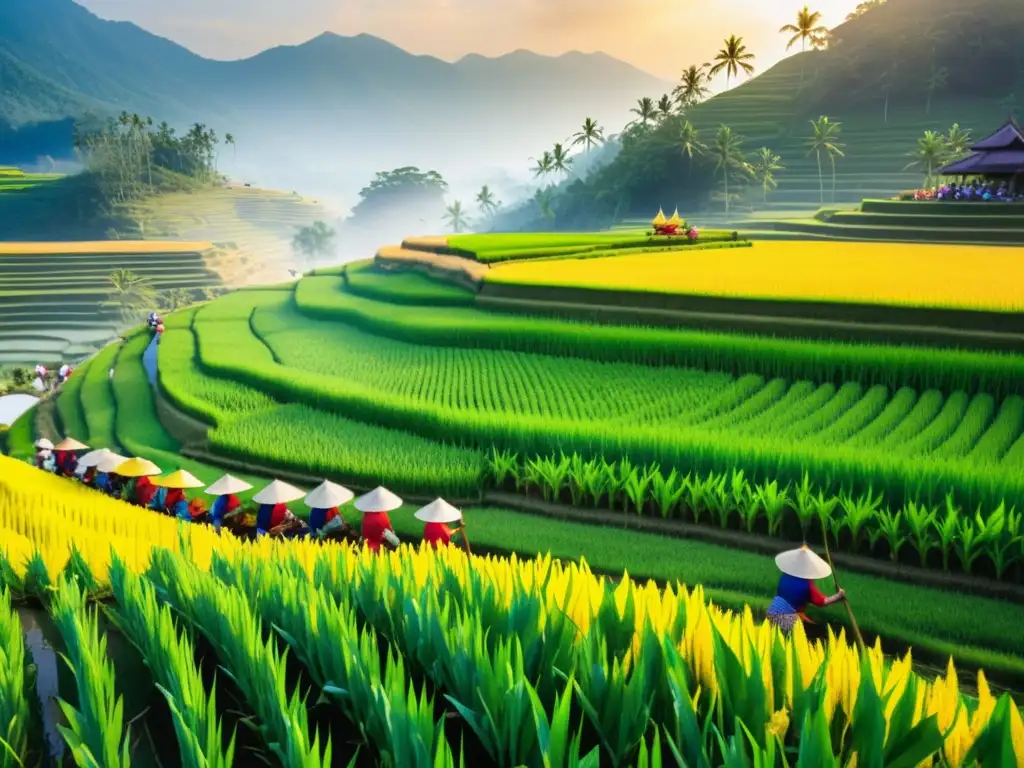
{"points": [[660, 36]]}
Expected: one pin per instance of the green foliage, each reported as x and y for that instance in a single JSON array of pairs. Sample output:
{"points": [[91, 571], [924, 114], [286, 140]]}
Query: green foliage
{"points": [[403, 287], [406, 191], [69, 404], [97, 398], [15, 714], [20, 437], [316, 239]]}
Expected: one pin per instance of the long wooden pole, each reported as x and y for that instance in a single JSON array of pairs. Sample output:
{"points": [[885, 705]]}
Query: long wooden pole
{"points": [[835, 580]]}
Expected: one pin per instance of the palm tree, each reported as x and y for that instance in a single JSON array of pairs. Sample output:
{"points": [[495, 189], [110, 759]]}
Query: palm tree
{"points": [[765, 164], [589, 135], [644, 110], [455, 215], [543, 166], [727, 151], [544, 200], [931, 152], [131, 294], [560, 160], [692, 86], [176, 298], [229, 138], [824, 139], [732, 58], [485, 199], [665, 107], [936, 82], [958, 141], [690, 143], [806, 29]]}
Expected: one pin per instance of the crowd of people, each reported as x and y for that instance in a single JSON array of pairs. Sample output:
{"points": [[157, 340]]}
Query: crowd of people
{"points": [[44, 380], [974, 191], [138, 481]]}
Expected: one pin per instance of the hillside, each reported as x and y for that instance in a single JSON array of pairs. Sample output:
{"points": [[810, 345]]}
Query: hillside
{"points": [[874, 80]]}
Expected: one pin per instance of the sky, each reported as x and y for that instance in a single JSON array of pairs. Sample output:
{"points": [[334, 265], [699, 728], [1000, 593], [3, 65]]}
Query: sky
{"points": [[659, 36]]}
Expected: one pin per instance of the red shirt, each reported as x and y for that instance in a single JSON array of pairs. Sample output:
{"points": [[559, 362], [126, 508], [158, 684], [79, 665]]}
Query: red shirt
{"points": [[144, 491], [817, 598], [437, 534], [278, 515], [374, 526], [174, 495]]}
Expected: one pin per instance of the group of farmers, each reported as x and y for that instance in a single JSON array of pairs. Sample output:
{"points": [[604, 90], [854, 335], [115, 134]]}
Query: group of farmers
{"points": [[138, 481]]}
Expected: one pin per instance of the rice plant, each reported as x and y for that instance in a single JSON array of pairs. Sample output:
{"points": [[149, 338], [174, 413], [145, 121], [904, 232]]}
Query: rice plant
{"points": [[15, 715]]}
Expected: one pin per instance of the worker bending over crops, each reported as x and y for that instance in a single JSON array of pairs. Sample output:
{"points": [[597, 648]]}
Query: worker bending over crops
{"points": [[800, 569], [274, 517], [227, 504], [65, 458], [377, 530], [323, 502], [436, 531], [44, 455]]}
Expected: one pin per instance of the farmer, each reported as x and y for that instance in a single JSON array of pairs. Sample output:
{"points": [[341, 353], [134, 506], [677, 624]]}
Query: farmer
{"points": [[323, 501], [227, 504], [273, 516], [63, 373], [174, 502], [376, 526], [44, 454], [800, 569], [107, 479], [65, 460], [137, 473], [87, 466], [436, 531]]}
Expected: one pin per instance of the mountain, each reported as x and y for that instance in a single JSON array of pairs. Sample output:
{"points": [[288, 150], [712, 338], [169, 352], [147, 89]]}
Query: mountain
{"points": [[334, 106]]}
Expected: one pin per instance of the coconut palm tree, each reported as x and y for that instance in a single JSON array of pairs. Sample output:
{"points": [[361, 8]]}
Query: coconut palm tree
{"points": [[692, 88], [229, 139], [931, 153], [560, 160], [936, 81], [645, 112], [824, 140], [543, 166], [176, 298], [590, 134], [455, 215], [485, 200], [690, 143], [544, 201], [727, 152], [807, 28], [958, 141], [766, 164], [733, 58], [665, 107]]}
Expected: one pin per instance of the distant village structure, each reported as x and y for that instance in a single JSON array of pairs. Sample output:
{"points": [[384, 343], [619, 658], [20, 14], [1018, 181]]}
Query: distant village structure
{"points": [[1000, 157]]}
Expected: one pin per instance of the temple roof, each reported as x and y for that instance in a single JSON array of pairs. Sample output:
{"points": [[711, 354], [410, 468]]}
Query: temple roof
{"points": [[997, 162], [1010, 136]]}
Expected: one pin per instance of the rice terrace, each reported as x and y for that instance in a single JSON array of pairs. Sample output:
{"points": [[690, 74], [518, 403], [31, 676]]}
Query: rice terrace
{"points": [[694, 440]]}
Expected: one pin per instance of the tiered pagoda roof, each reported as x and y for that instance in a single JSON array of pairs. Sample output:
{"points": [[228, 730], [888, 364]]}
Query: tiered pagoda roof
{"points": [[999, 154]]}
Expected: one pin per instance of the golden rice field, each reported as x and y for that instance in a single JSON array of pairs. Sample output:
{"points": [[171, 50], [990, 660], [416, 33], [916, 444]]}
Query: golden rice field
{"points": [[540, 663], [967, 277], [102, 247]]}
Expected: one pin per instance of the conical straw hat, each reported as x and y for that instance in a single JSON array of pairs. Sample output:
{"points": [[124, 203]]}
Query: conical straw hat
{"points": [[328, 495], [180, 479], [278, 492], [43, 444], [137, 468], [70, 444], [93, 458], [378, 500], [227, 485], [438, 511], [110, 463], [802, 563]]}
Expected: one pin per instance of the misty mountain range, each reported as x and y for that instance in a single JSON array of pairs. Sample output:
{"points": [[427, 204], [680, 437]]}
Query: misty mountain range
{"points": [[322, 116]]}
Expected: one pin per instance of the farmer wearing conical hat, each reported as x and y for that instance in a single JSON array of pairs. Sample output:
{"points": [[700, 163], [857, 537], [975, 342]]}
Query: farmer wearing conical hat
{"points": [[44, 454], [227, 503], [323, 501], [436, 531], [175, 502], [65, 460], [800, 569], [273, 516], [377, 530], [137, 473]]}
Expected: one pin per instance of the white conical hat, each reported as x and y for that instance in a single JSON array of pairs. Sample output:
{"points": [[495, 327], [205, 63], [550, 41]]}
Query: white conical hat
{"points": [[378, 500], [43, 444], [278, 492], [93, 458], [227, 485], [328, 495], [70, 444], [802, 563], [438, 511], [110, 462]]}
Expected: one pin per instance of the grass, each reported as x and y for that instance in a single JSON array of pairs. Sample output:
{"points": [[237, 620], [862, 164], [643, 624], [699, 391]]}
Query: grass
{"points": [[403, 287], [69, 404], [97, 400], [886, 273]]}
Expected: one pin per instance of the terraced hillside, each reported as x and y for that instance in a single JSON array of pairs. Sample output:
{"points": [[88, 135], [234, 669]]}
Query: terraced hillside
{"points": [[14, 180], [52, 294]]}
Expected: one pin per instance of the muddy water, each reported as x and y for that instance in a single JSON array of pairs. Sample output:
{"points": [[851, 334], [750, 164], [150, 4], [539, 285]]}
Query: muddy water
{"points": [[152, 731]]}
